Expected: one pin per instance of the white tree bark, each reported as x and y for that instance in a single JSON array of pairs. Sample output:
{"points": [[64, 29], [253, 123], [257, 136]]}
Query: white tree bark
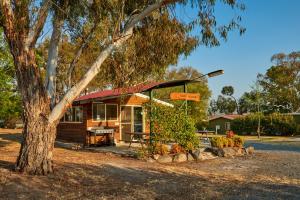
{"points": [[36, 29], [50, 81]]}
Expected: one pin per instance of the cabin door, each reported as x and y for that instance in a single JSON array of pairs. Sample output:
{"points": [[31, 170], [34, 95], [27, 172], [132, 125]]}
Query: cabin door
{"points": [[131, 121]]}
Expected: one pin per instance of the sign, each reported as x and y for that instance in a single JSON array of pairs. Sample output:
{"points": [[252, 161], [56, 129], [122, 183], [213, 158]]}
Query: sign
{"points": [[185, 96]]}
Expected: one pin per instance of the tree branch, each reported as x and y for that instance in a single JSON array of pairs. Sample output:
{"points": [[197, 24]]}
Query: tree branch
{"points": [[78, 54], [50, 82], [36, 29], [7, 21], [74, 92]]}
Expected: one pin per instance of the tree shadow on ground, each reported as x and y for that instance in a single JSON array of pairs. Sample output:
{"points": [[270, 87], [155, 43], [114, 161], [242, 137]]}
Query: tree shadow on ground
{"points": [[6, 165], [112, 181], [13, 137]]}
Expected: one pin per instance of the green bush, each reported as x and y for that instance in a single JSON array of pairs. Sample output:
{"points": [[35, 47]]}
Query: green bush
{"points": [[217, 142], [222, 142], [238, 141], [230, 142], [273, 124], [171, 124]]}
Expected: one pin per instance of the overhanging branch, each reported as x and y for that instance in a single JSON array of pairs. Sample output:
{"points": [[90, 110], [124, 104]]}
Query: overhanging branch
{"points": [[36, 29], [74, 92], [78, 54]]}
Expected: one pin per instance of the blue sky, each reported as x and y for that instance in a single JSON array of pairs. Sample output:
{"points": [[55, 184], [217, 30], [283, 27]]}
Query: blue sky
{"points": [[273, 26]]}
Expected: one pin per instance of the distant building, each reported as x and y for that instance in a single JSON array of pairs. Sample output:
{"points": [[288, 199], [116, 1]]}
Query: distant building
{"points": [[221, 123]]}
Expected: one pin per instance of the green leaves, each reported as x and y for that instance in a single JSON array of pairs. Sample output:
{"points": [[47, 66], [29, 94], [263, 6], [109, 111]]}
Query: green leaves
{"points": [[172, 125], [281, 83], [10, 103]]}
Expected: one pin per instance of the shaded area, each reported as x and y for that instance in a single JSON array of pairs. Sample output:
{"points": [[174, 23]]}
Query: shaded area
{"points": [[82, 174], [111, 181], [274, 146], [9, 137]]}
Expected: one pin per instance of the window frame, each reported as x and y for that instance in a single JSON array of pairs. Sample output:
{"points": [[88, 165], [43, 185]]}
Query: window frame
{"points": [[227, 126], [73, 107], [105, 119], [95, 120]]}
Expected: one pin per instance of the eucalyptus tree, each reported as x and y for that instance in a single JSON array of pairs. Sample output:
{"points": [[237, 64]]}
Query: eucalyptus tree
{"points": [[25, 21], [281, 83], [229, 91]]}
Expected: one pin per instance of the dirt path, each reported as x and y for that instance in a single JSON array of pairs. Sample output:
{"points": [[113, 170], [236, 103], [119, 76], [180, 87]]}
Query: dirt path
{"points": [[88, 175]]}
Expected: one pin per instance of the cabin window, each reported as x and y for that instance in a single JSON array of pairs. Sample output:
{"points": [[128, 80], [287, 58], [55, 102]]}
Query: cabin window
{"points": [[111, 112], [73, 114], [227, 126], [103, 112], [98, 112]]}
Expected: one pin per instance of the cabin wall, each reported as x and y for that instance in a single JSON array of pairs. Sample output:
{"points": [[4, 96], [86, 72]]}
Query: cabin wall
{"points": [[76, 132], [73, 131], [219, 121]]}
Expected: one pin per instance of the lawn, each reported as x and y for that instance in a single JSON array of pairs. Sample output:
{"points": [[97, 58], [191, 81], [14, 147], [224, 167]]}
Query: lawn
{"points": [[82, 174]]}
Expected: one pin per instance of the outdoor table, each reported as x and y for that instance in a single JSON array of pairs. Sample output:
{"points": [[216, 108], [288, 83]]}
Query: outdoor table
{"points": [[102, 132], [205, 140], [139, 135], [205, 132]]}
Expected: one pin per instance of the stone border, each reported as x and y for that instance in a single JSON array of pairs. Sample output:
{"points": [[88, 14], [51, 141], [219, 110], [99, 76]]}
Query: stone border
{"points": [[202, 154]]}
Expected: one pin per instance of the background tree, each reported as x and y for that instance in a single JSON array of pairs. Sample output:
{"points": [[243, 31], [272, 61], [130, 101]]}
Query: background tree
{"points": [[281, 83], [256, 100], [196, 110], [23, 22], [10, 104], [213, 108], [226, 105], [229, 91], [223, 104]]}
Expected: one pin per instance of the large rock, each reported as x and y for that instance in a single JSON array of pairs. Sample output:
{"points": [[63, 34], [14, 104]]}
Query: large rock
{"points": [[195, 154], [151, 160], [156, 156], [180, 157], [165, 159], [229, 152], [207, 156], [249, 150], [190, 157], [216, 151], [239, 151]]}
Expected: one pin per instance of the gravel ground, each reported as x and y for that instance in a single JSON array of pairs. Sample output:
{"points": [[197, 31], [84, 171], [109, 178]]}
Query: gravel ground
{"points": [[87, 175]]}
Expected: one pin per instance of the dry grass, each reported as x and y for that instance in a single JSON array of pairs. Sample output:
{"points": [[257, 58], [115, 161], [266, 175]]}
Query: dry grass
{"points": [[88, 175]]}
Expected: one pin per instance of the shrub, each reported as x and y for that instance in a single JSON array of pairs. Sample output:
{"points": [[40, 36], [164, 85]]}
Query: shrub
{"points": [[176, 148], [171, 124], [272, 124], [229, 134], [141, 154], [161, 149], [217, 142], [238, 141], [222, 142], [230, 142]]}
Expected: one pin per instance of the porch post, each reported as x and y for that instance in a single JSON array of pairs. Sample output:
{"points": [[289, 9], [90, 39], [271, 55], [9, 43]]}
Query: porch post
{"points": [[151, 121], [186, 102]]}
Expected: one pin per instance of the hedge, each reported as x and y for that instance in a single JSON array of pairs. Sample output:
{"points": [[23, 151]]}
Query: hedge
{"points": [[273, 124]]}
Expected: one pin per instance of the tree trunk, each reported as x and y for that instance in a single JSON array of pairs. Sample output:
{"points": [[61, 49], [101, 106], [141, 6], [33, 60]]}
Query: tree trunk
{"points": [[36, 151]]}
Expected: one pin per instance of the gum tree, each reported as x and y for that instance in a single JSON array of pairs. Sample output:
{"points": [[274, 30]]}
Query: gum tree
{"points": [[26, 22]]}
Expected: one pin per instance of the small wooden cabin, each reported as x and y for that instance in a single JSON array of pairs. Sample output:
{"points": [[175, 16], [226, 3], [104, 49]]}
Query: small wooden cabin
{"points": [[221, 123], [117, 109]]}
